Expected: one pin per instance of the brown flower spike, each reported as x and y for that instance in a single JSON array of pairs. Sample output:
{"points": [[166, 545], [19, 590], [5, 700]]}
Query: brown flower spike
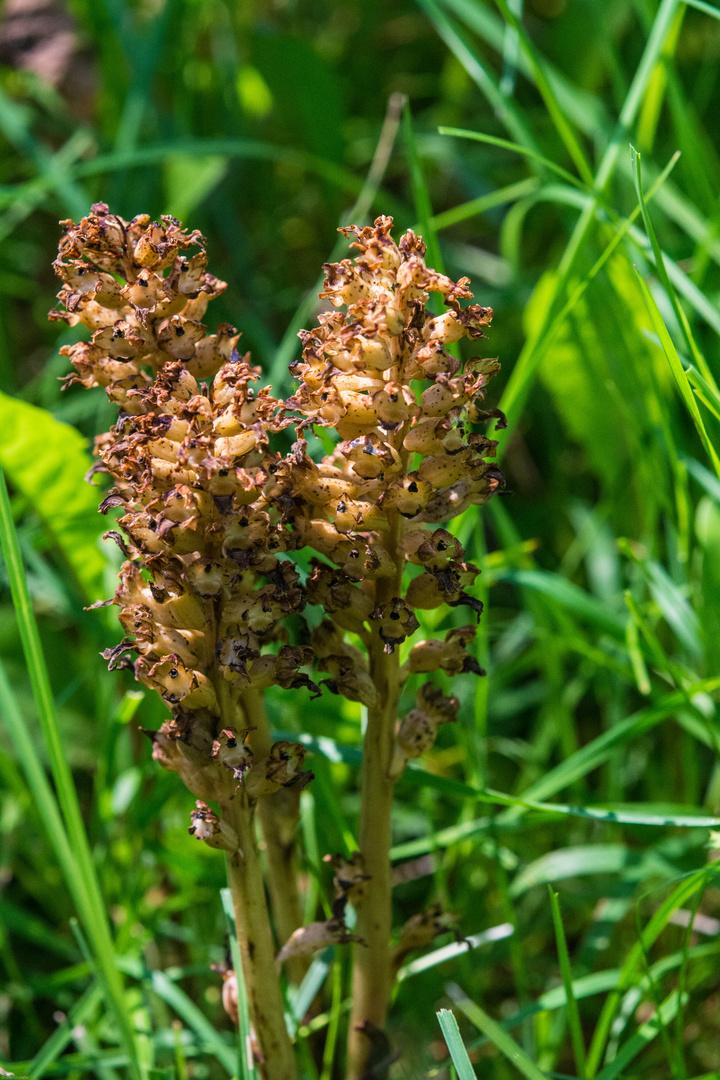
{"points": [[379, 370], [210, 596]]}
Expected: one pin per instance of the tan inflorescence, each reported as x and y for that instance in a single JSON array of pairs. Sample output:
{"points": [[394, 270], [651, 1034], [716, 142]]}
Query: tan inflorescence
{"points": [[380, 371], [212, 513], [205, 590]]}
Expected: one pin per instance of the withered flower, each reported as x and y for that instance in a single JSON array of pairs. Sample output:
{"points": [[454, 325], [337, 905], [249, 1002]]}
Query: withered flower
{"points": [[211, 515], [204, 592], [380, 371], [381, 374], [206, 589]]}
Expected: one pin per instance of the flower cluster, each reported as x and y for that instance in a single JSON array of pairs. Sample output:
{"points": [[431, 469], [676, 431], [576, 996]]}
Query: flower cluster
{"points": [[380, 370], [204, 593], [210, 517]]}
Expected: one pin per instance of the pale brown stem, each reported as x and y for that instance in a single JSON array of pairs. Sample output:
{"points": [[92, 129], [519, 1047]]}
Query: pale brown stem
{"points": [[372, 966], [257, 950], [279, 815]]}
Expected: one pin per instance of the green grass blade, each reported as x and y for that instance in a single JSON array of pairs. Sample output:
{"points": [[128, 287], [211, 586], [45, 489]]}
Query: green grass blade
{"points": [[51, 168], [534, 351], [515, 148], [679, 375], [704, 477], [703, 6], [557, 116], [86, 889], [599, 750], [336, 1008], [686, 888], [178, 1000], [453, 1038], [421, 195], [520, 381], [616, 815], [483, 203], [573, 1014], [302, 997], [39, 786], [62, 1036], [636, 160], [505, 108], [704, 392], [245, 1055], [501, 1039], [570, 597], [645, 1034], [586, 110]]}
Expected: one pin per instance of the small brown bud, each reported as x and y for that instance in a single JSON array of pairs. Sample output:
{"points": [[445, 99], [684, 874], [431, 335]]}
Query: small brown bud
{"points": [[214, 830], [450, 655]]}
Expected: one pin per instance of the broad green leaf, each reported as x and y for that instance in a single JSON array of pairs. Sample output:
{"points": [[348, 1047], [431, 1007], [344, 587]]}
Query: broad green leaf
{"points": [[46, 461]]}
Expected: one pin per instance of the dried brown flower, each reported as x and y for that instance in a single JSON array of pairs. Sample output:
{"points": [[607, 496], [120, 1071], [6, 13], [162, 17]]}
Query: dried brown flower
{"points": [[203, 593], [212, 515]]}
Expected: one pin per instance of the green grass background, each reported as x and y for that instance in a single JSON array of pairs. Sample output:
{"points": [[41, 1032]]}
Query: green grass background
{"points": [[586, 761]]}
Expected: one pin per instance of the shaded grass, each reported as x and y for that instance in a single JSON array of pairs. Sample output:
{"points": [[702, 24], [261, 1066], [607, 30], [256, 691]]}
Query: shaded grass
{"points": [[600, 571]]}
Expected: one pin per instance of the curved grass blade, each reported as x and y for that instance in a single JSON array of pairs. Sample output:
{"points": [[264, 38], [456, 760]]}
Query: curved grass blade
{"points": [[703, 6], [642, 1037], [699, 359], [542, 82], [501, 197], [186, 1009], [62, 1036], [518, 385], [504, 107], [686, 889], [680, 377], [76, 860], [516, 148]]}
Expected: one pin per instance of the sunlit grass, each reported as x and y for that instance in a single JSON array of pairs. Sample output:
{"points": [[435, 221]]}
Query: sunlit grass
{"points": [[587, 760]]}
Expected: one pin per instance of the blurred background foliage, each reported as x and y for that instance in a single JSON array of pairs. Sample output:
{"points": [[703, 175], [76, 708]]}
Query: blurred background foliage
{"points": [[258, 123]]}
